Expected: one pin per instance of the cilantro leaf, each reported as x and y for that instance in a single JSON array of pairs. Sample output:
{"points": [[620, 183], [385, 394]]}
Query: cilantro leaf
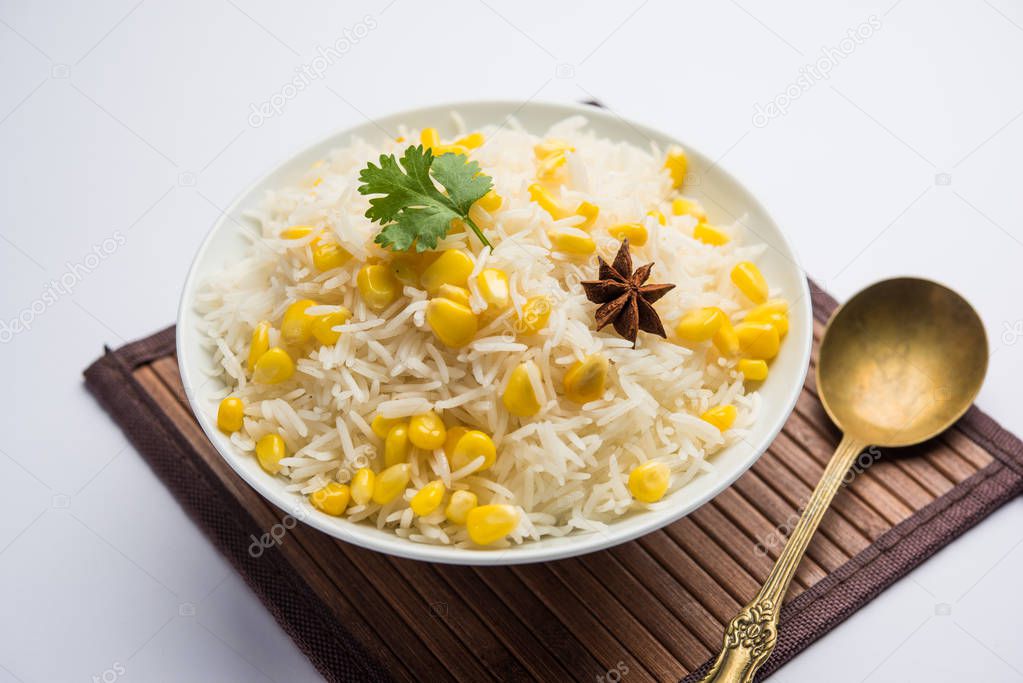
{"points": [[411, 209]]}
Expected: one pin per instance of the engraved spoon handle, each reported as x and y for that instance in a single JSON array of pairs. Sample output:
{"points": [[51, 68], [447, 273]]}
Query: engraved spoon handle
{"points": [[751, 635]]}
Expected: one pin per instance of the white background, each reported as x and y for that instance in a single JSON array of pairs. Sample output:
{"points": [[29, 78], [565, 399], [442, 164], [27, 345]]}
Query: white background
{"points": [[132, 119]]}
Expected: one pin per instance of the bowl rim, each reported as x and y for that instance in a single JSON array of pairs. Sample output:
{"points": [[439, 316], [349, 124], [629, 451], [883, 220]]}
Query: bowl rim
{"points": [[530, 551]]}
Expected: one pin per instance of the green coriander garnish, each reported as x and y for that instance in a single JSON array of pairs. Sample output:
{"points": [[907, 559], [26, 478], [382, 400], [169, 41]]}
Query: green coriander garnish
{"points": [[411, 209]]}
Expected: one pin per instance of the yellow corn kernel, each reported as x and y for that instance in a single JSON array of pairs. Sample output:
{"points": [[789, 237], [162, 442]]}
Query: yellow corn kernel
{"points": [[460, 295], [677, 164], [700, 324], [296, 326], [396, 446], [752, 370], [780, 321], [535, 314], [273, 366], [406, 269], [708, 234], [230, 414], [390, 483], [569, 241], [403, 272], [490, 202], [454, 323], [332, 498], [427, 431], [429, 137], [363, 483], [329, 255], [722, 417], [489, 523], [440, 150], [472, 140], [773, 306], [323, 326], [451, 440], [269, 450], [539, 194], [758, 340], [550, 167], [774, 311], [472, 445], [452, 267], [589, 212], [428, 498], [750, 281], [636, 233], [649, 482], [682, 206], [382, 425], [260, 344], [378, 286], [494, 288], [518, 397], [552, 146], [296, 232], [459, 506], [658, 216], [725, 339], [584, 381]]}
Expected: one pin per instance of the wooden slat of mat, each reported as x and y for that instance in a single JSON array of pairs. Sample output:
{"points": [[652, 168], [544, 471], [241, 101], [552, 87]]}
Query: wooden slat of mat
{"points": [[449, 606], [722, 531], [796, 493], [713, 559], [783, 515], [760, 531], [867, 490], [635, 559], [521, 639], [968, 450], [868, 521], [705, 588], [657, 605], [582, 663], [611, 608], [590, 631], [649, 610]]}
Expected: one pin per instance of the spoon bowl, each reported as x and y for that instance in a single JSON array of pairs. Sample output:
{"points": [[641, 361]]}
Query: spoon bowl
{"points": [[901, 361]]}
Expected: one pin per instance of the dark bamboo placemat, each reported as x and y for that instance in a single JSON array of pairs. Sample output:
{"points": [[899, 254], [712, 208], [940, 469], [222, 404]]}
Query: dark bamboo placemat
{"points": [[655, 607]]}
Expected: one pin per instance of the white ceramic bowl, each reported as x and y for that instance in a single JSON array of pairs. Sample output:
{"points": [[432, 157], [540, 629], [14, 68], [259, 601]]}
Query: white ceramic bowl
{"points": [[730, 200]]}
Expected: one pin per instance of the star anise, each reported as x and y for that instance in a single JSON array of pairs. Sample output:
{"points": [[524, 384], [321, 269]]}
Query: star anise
{"points": [[625, 300]]}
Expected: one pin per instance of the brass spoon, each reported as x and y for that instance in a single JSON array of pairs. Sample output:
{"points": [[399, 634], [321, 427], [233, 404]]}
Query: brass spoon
{"points": [[898, 364]]}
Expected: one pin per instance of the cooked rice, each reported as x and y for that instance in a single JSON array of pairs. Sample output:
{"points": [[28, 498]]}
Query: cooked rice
{"points": [[566, 467]]}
